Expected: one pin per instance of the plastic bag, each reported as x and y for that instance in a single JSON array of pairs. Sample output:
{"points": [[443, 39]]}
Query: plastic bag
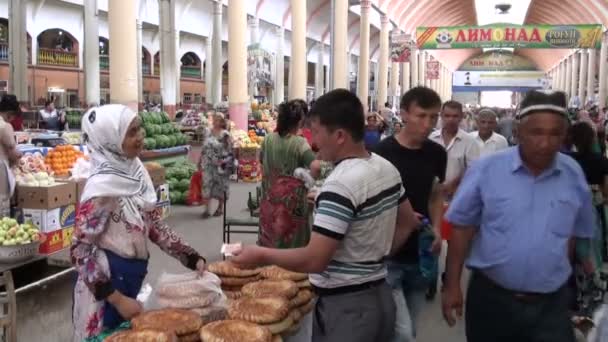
{"points": [[190, 290], [195, 197]]}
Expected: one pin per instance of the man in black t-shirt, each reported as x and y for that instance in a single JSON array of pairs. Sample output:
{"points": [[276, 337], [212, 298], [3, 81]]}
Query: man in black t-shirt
{"points": [[422, 165]]}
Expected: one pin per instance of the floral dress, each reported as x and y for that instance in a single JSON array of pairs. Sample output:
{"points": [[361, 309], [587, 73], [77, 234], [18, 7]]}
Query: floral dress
{"points": [[217, 163], [101, 229]]}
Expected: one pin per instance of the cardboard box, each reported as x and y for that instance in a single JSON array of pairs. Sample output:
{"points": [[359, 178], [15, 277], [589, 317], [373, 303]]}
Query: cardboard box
{"points": [[164, 203], [158, 176], [50, 197], [56, 241], [50, 220], [79, 183]]}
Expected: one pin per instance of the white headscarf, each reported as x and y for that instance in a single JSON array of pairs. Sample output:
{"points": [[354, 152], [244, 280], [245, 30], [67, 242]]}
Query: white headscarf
{"points": [[115, 175]]}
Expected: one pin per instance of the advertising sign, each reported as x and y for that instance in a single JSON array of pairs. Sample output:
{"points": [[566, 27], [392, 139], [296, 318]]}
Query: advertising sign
{"points": [[401, 47], [510, 36], [506, 79], [498, 60], [432, 70], [258, 66]]}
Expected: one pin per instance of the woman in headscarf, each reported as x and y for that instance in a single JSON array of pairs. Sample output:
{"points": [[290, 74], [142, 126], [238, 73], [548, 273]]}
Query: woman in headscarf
{"points": [[9, 108], [117, 217], [217, 164]]}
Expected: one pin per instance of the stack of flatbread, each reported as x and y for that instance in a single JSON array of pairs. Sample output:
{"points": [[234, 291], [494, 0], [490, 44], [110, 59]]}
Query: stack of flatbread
{"points": [[236, 331], [192, 291], [303, 302], [271, 313], [185, 324], [233, 278], [144, 335]]}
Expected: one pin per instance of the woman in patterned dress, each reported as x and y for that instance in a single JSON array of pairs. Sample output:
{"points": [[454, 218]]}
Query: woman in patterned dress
{"points": [[217, 164], [284, 211], [116, 218]]}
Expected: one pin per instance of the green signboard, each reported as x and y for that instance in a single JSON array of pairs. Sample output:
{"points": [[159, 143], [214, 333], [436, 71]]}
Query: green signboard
{"points": [[510, 36]]}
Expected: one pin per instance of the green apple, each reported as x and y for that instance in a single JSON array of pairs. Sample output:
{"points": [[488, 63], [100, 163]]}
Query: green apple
{"points": [[35, 237], [13, 222]]}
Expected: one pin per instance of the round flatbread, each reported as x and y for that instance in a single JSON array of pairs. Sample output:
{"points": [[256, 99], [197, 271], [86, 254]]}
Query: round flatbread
{"points": [[234, 331], [304, 296], [259, 310], [194, 337], [231, 288], [145, 335], [292, 330], [233, 294], [306, 308], [296, 315], [179, 321], [199, 301], [304, 284], [279, 327], [229, 269], [277, 338], [238, 281], [279, 273], [271, 288]]}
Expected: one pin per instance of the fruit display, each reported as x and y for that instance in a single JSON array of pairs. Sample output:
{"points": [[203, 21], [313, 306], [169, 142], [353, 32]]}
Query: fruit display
{"points": [[160, 131], [73, 118], [62, 159], [13, 233], [32, 163], [193, 119], [72, 138], [242, 139], [178, 179], [35, 179]]}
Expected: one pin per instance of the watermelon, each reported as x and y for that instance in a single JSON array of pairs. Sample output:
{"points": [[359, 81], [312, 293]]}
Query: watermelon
{"points": [[150, 143], [149, 128], [173, 140], [158, 119], [184, 184], [174, 184], [164, 117]]}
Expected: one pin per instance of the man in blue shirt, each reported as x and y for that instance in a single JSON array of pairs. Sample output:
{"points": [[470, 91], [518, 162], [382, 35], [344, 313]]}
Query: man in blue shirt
{"points": [[516, 211]]}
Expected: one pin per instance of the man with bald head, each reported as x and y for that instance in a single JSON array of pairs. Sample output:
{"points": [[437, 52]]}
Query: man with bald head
{"points": [[486, 138]]}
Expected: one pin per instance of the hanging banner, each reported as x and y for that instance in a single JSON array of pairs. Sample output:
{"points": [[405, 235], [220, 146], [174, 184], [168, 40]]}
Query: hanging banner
{"points": [[510, 36], [401, 47], [432, 70], [498, 60], [476, 79], [258, 66]]}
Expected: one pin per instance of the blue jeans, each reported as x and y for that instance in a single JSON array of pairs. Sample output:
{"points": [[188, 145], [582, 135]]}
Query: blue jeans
{"points": [[409, 289]]}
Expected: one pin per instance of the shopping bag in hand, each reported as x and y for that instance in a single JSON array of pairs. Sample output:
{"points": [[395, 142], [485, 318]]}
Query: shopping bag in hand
{"points": [[195, 197]]}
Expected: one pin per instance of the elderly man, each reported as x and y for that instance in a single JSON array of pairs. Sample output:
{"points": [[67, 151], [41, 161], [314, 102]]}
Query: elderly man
{"points": [[520, 221], [486, 138]]}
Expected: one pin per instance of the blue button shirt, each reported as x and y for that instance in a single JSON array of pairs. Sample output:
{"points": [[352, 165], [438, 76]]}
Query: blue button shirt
{"points": [[524, 222]]}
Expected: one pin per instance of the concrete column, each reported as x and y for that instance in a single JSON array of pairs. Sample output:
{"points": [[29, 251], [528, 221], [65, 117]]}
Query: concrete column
{"points": [[91, 53], [216, 74], [603, 71], [279, 85], [405, 77], [17, 44], [394, 82], [591, 72], [178, 67], [327, 77], [319, 71], [383, 61], [582, 85], [568, 85], [208, 70], [363, 73], [575, 67], [349, 65], [122, 17], [140, 72], [254, 30], [562, 74], [237, 60], [298, 63], [168, 56], [414, 66], [339, 35], [422, 68]]}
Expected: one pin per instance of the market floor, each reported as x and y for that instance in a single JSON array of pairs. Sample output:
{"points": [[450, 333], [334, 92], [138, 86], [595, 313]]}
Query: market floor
{"points": [[45, 313]]}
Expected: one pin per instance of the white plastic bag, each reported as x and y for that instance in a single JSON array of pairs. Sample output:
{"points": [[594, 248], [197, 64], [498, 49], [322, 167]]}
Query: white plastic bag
{"points": [[190, 290]]}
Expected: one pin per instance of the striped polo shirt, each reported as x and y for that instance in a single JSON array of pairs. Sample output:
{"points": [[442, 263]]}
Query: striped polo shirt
{"points": [[357, 205]]}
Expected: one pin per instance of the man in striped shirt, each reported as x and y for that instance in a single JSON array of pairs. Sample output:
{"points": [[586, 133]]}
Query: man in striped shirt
{"points": [[361, 216]]}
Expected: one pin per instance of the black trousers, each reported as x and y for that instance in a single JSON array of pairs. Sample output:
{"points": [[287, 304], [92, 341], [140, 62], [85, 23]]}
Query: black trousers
{"points": [[499, 315]]}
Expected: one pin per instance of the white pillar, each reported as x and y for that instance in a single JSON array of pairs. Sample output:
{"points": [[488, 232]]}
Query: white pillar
{"points": [[168, 53], [422, 68], [582, 85], [178, 67], [575, 67], [279, 85], [122, 20], [414, 66], [140, 72], [568, 86], [237, 60], [383, 62], [394, 82], [319, 70], [603, 71], [363, 72], [17, 44], [91, 52], [339, 65], [298, 64], [208, 71], [563, 72], [405, 77], [591, 72], [216, 78], [254, 25]]}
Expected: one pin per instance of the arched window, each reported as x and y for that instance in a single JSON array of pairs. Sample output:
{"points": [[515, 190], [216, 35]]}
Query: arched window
{"points": [[157, 64], [191, 65], [145, 61], [4, 42], [57, 47]]}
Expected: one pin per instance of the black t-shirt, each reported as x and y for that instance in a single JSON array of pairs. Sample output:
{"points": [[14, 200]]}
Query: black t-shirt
{"points": [[594, 165], [418, 169]]}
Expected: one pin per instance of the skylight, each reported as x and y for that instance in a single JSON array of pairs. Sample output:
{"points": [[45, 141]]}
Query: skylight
{"points": [[487, 13]]}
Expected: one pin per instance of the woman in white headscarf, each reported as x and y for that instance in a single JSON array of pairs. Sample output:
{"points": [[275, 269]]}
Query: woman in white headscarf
{"points": [[116, 218]]}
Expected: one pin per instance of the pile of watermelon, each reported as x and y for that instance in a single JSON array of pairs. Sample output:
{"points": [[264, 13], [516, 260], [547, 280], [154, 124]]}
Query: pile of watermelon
{"points": [[178, 178], [160, 131]]}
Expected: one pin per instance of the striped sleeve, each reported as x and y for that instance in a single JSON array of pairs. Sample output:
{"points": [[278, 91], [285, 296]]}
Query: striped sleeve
{"points": [[333, 215]]}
